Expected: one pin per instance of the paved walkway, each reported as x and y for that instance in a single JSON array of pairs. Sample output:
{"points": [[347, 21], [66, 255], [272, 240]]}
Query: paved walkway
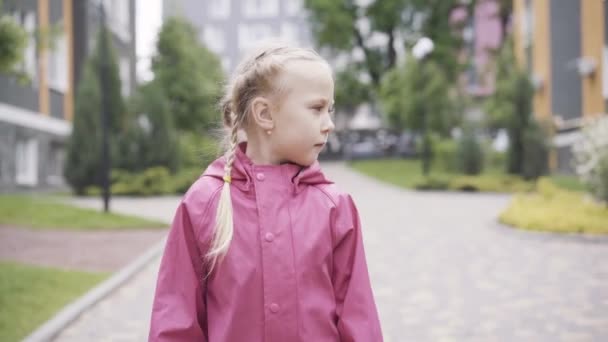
{"points": [[442, 269]]}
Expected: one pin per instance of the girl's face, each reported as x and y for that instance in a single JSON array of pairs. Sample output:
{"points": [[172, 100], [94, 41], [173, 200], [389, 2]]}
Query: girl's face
{"points": [[303, 118]]}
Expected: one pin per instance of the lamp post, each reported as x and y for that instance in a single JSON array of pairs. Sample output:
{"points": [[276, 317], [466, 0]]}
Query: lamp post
{"points": [[103, 81], [423, 47]]}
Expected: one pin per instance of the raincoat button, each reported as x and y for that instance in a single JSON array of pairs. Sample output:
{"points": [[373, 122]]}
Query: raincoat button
{"points": [[260, 176], [269, 237], [274, 308]]}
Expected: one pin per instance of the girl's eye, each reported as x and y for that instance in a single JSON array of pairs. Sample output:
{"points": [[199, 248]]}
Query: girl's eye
{"points": [[331, 110]]}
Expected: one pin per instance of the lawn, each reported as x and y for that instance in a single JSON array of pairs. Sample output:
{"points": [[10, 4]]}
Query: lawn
{"points": [[30, 295], [401, 172], [407, 173], [44, 212]]}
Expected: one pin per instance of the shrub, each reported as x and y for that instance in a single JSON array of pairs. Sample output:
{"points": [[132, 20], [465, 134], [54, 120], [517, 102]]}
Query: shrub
{"points": [[591, 157], [535, 152], [469, 155], [445, 155]]}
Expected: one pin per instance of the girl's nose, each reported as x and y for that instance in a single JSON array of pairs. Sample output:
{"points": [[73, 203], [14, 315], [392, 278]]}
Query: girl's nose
{"points": [[328, 126]]}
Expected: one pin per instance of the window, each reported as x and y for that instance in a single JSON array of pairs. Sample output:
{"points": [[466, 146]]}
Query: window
{"points": [[58, 72], [605, 72], [250, 35], [261, 8], [214, 38], [55, 164], [219, 9], [26, 162], [125, 75], [293, 7], [118, 17]]}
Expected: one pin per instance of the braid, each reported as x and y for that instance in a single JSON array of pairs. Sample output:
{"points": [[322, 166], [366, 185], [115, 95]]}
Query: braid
{"points": [[224, 229]]}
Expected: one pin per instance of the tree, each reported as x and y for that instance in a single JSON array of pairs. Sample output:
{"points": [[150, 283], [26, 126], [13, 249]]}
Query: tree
{"points": [[351, 90], [150, 139], [340, 26], [416, 95], [83, 162], [189, 74], [511, 105], [84, 146], [13, 40]]}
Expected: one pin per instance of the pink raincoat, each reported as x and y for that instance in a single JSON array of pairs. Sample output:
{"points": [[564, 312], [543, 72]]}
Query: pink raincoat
{"points": [[295, 270]]}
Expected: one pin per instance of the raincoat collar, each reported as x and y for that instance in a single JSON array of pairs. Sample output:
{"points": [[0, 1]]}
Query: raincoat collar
{"points": [[244, 171]]}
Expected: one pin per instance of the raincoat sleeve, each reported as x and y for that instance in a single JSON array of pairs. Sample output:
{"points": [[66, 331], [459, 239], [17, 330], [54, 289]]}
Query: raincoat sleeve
{"points": [[178, 310], [356, 309]]}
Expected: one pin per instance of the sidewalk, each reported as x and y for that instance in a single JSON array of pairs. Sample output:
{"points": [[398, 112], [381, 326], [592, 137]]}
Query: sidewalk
{"points": [[442, 269]]}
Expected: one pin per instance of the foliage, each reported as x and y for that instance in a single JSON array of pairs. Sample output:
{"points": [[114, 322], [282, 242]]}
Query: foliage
{"points": [[535, 152], [511, 106], [445, 154], [337, 25], [83, 160], [469, 155], [556, 210], [13, 41], [351, 90], [150, 138], [197, 150], [84, 145], [413, 91], [189, 74], [591, 157], [479, 183]]}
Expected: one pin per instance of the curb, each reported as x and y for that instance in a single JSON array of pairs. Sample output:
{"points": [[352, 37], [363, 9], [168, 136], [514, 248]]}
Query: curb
{"points": [[52, 327]]}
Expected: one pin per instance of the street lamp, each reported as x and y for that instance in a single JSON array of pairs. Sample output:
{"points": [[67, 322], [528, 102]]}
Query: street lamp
{"points": [[423, 47], [103, 80]]}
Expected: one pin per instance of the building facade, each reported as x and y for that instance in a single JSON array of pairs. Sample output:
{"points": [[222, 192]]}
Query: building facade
{"points": [[231, 27], [564, 46], [36, 116]]}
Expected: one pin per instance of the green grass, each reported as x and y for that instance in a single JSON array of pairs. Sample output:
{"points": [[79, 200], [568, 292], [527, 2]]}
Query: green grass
{"points": [[401, 172], [568, 182], [556, 210], [43, 212], [29, 296], [407, 173]]}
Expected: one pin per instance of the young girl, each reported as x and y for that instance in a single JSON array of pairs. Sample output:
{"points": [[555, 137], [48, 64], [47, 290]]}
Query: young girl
{"points": [[263, 247]]}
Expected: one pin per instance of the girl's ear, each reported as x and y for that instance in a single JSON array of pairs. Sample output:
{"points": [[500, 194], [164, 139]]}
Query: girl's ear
{"points": [[261, 113]]}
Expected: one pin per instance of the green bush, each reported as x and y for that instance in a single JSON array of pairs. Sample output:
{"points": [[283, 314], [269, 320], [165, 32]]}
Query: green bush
{"points": [[599, 183], [535, 152], [444, 155], [432, 183], [151, 182], [197, 151], [490, 183], [184, 179], [469, 154], [494, 160]]}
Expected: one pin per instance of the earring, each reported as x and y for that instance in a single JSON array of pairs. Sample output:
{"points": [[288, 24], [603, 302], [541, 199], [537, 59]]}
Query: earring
{"points": [[269, 132]]}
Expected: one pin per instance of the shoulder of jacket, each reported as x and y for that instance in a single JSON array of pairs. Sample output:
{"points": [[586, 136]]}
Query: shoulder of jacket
{"points": [[201, 194], [334, 193]]}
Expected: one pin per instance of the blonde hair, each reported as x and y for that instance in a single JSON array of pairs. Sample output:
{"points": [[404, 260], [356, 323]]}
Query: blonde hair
{"points": [[254, 76]]}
